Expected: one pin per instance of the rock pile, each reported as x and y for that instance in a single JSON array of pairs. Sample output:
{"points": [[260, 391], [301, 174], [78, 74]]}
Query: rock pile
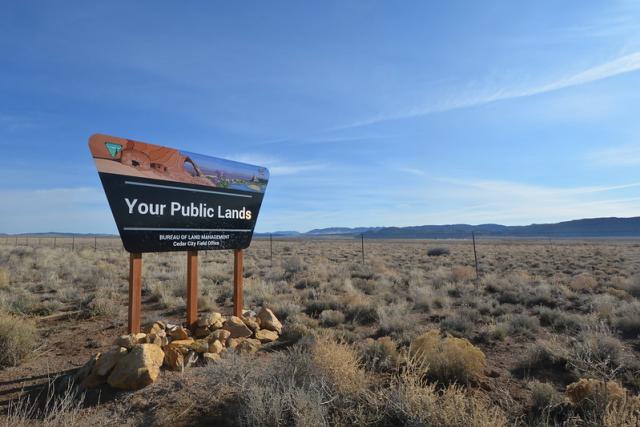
{"points": [[136, 360]]}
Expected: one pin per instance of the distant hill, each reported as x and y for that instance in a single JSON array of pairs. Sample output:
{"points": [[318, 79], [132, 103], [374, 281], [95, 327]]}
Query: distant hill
{"points": [[590, 227]]}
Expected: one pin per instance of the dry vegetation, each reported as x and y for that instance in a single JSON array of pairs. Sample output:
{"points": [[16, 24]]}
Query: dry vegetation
{"points": [[549, 334]]}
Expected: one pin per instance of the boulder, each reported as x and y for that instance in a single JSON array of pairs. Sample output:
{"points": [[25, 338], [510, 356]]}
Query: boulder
{"points": [[201, 332], [221, 335], [108, 360], [155, 328], [250, 323], [269, 321], [173, 358], [248, 345], [265, 336], [210, 358], [179, 333], [137, 369], [85, 370], [233, 342], [157, 339], [209, 319], [200, 346], [237, 328], [215, 347]]}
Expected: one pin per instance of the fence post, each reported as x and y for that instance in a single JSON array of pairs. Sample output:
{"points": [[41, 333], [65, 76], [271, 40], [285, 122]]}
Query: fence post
{"points": [[475, 254], [73, 243], [54, 243], [95, 243], [271, 249], [362, 243]]}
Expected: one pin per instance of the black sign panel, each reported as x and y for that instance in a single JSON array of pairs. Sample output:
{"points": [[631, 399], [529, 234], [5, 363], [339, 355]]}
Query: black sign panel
{"points": [[163, 199]]}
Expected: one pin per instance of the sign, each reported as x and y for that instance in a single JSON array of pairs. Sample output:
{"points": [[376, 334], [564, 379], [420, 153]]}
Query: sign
{"points": [[164, 199]]}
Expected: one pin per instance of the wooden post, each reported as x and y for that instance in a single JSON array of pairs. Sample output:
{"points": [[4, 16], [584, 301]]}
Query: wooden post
{"points": [[192, 289], [54, 243], [271, 249], [73, 243], [95, 243], [362, 241], [135, 292], [475, 254], [237, 282]]}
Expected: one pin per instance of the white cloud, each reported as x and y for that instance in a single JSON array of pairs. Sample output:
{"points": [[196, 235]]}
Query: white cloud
{"points": [[276, 166], [624, 64]]}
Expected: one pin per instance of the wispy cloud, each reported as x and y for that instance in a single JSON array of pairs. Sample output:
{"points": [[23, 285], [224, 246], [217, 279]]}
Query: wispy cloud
{"points": [[621, 65], [412, 171], [627, 155], [277, 166]]}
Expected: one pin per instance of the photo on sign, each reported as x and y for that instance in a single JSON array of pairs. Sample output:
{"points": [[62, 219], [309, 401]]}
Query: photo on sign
{"points": [[133, 158]]}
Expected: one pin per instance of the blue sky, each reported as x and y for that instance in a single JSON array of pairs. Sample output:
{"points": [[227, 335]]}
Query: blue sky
{"points": [[367, 113]]}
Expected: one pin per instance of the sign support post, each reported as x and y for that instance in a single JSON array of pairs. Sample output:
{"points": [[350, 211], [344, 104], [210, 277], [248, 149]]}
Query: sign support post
{"points": [[135, 291], [192, 288], [238, 303]]}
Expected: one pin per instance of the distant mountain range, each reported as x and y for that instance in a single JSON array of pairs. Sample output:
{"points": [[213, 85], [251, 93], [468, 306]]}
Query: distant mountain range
{"points": [[589, 227]]}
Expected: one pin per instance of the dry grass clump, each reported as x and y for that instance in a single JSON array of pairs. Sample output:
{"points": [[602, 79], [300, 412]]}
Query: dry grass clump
{"points": [[462, 274], [339, 363], [583, 283], [4, 277], [380, 355], [448, 359], [18, 338], [411, 401], [627, 319], [331, 318]]}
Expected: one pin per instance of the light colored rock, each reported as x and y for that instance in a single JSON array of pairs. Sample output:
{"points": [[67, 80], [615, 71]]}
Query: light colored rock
{"points": [[108, 360], [155, 339], [248, 345], [215, 347], [251, 323], [269, 321], [137, 369], [233, 342], [221, 335], [179, 333], [126, 341], [141, 337], [200, 346], [265, 336], [173, 358], [237, 328], [155, 328], [210, 357], [206, 320], [248, 313]]}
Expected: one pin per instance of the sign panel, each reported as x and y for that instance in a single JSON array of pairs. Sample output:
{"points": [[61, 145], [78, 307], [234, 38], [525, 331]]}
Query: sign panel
{"points": [[164, 199]]}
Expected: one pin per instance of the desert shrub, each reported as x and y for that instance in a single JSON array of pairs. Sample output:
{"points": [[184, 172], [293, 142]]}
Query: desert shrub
{"points": [[362, 271], [560, 320], [285, 308], [438, 251], [331, 318], [499, 332], [293, 264], [4, 277], [316, 306], [543, 397], [411, 401], [462, 274], [380, 354], [448, 359], [100, 305], [362, 313], [18, 338], [633, 288], [338, 363], [458, 324], [583, 283], [421, 296], [524, 325], [592, 397], [543, 356], [627, 320], [393, 320], [596, 352]]}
